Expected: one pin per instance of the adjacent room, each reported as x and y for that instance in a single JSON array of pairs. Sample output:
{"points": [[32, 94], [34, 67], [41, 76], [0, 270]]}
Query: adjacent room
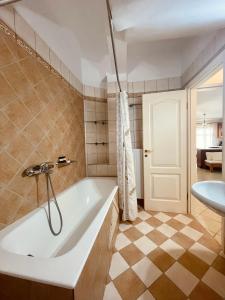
{"points": [[209, 142]]}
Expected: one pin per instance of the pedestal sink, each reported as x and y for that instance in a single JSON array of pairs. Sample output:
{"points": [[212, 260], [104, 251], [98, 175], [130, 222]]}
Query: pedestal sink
{"points": [[212, 194]]}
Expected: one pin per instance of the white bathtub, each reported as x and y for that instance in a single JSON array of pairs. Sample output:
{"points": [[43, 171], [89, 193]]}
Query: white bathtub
{"points": [[58, 260]]}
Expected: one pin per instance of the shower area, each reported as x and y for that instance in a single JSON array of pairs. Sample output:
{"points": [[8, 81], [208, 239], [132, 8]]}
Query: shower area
{"points": [[100, 131]]}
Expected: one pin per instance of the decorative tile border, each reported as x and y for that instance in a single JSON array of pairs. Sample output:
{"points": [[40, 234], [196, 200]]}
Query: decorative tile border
{"points": [[20, 42]]}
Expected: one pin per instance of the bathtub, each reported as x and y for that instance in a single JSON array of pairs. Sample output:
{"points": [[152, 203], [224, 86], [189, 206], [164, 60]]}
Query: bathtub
{"points": [[57, 260]]}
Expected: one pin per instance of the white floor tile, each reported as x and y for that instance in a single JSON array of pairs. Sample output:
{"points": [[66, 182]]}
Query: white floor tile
{"points": [[184, 279], [118, 265], [172, 248], [215, 280], [111, 292], [183, 219], [166, 230], [121, 241], [145, 245], [191, 233], [203, 253], [162, 217], [146, 296], [144, 227], [124, 227], [143, 215], [146, 271]]}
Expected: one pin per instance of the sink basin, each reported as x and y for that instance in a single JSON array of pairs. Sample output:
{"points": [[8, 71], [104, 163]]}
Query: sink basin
{"points": [[212, 194]]}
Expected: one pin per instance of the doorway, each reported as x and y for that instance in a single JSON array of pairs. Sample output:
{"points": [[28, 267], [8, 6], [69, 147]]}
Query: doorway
{"points": [[207, 127], [165, 151]]}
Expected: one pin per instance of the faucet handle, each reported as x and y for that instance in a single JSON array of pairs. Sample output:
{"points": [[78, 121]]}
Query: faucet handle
{"points": [[32, 170], [47, 166]]}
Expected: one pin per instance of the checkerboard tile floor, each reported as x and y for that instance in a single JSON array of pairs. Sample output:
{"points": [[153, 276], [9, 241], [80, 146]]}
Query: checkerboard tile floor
{"points": [[165, 256]]}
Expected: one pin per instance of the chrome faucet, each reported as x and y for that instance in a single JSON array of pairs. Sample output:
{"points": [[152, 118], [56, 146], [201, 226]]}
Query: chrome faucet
{"points": [[43, 168]]}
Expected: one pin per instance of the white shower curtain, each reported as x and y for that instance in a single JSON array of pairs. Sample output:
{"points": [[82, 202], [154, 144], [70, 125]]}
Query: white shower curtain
{"points": [[125, 161]]}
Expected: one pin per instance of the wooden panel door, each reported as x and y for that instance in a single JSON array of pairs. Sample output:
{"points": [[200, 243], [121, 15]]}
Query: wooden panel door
{"points": [[165, 151]]}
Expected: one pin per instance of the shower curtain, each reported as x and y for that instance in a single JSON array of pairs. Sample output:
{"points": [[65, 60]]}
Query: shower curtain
{"points": [[125, 161]]}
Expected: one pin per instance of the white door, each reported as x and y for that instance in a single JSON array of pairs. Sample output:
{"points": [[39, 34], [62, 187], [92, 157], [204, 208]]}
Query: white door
{"points": [[165, 151]]}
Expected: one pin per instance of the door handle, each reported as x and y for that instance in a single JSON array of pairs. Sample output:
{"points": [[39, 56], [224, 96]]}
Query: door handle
{"points": [[148, 151]]}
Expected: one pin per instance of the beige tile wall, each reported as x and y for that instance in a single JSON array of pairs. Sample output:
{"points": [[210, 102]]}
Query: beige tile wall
{"points": [[41, 117]]}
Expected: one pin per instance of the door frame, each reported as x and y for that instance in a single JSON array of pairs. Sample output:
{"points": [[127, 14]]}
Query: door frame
{"points": [[216, 64]]}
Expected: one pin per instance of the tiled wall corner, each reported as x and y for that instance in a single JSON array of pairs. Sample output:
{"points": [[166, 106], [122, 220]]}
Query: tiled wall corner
{"points": [[96, 131]]}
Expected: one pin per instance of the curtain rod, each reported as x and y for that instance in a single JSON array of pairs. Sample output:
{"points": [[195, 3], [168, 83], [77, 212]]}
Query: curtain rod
{"points": [[113, 43]]}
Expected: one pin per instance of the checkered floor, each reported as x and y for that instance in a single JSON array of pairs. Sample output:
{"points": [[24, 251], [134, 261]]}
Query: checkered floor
{"points": [[165, 256]]}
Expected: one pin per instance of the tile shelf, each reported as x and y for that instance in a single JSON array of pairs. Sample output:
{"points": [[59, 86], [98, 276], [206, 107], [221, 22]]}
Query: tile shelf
{"points": [[103, 122], [103, 143]]}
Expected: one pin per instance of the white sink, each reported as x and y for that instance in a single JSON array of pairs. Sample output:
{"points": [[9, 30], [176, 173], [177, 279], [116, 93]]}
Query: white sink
{"points": [[212, 194]]}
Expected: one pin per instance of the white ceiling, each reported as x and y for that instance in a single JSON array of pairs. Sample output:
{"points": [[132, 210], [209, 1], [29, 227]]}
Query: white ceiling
{"points": [[162, 30], [210, 102], [145, 20]]}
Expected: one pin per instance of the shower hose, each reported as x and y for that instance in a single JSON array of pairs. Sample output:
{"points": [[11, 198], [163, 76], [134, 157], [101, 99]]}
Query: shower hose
{"points": [[49, 216]]}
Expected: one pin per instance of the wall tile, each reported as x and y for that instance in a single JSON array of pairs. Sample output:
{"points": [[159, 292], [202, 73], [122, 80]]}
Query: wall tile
{"points": [[174, 83], [24, 30], [7, 15], [65, 72], [150, 86], [139, 87], [55, 61], [111, 87], [89, 91], [162, 84], [42, 49], [29, 94]]}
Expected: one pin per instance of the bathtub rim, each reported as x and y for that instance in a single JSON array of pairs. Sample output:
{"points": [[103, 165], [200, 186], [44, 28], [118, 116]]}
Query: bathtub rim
{"points": [[50, 270]]}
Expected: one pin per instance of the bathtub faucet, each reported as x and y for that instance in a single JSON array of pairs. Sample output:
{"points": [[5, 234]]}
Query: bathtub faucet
{"points": [[43, 168]]}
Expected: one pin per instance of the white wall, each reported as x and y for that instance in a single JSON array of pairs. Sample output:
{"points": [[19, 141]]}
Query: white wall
{"points": [[77, 36], [192, 47], [154, 60]]}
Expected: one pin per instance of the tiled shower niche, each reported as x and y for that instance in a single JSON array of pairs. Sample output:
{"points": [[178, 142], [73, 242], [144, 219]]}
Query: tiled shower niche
{"points": [[96, 131]]}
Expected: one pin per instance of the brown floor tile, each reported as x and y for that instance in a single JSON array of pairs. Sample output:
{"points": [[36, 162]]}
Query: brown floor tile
{"points": [[131, 254], [133, 234], [153, 222], [175, 224], [194, 224], [152, 212], [157, 237], [171, 214], [219, 264], [161, 259], [129, 286], [193, 264], [182, 240], [210, 243], [165, 289], [203, 292], [137, 221]]}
